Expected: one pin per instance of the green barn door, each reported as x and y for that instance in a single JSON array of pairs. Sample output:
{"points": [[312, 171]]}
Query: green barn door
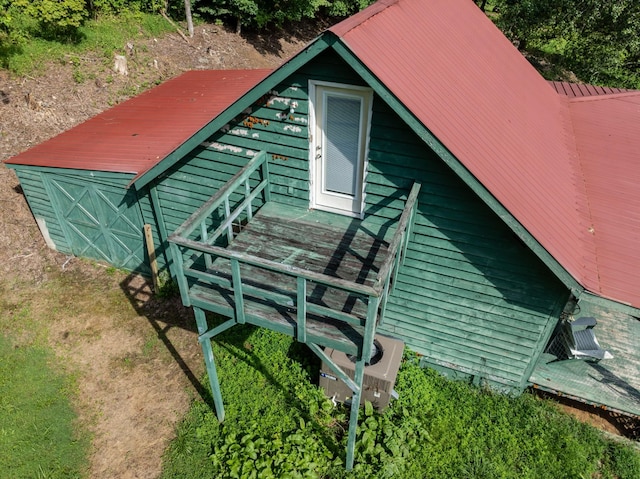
{"points": [[101, 221]]}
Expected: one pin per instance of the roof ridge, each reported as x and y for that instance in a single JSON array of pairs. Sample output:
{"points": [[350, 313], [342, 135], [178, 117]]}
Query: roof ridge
{"points": [[362, 16]]}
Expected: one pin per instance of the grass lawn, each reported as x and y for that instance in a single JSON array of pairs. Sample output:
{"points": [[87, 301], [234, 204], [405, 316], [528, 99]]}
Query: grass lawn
{"points": [[37, 434], [279, 425]]}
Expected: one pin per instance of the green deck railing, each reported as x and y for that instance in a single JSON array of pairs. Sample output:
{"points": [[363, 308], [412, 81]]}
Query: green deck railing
{"points": [[200, 235]]}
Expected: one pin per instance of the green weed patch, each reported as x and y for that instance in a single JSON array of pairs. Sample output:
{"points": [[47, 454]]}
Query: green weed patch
{"points": [[106, 36], [37, 435], [279, 425]]}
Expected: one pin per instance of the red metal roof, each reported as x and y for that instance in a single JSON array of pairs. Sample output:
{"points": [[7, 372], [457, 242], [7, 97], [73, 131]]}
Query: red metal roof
{"points": [[580, 89], [608, 139], [467, 84], [135, 135]]}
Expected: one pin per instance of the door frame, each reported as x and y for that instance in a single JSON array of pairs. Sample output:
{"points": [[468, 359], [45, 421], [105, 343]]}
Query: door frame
{"points": [[317, 88]]}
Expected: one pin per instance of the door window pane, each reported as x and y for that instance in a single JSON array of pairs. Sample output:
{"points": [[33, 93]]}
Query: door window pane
{"points": [[342, 137]]}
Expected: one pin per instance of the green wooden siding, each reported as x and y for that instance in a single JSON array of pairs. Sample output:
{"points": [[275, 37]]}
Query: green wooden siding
{"points": [[32, 183], [89, 214], [470, 296]]}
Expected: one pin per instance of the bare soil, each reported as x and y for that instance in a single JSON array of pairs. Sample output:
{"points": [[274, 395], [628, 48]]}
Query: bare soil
{"points": [[135, 357]]}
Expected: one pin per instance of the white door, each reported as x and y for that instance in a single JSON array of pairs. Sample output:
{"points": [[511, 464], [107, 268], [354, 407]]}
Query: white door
{"points": [[339, 147]]}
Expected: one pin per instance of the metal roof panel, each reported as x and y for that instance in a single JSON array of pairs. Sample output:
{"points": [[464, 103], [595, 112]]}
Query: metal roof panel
{"points": [[135, 135], [606, 129], [468, 85]]}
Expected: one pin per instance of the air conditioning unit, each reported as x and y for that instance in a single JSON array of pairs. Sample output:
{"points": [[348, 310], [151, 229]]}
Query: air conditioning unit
{"points": [[379, 375]]}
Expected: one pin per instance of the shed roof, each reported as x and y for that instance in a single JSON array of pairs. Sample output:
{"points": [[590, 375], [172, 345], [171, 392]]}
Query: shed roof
{"points": [[135, 135]]}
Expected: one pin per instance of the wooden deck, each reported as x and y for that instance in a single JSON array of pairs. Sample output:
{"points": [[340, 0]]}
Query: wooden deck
{"points": [[611, 383], [313, 241]]}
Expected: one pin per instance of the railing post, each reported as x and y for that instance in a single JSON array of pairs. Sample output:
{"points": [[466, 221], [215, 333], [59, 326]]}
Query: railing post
{"points": [[237, 290], [370, 326], [179, 274], [302, 309]]}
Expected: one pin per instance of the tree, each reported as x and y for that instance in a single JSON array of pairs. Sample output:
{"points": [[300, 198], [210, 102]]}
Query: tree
{"points": [[187, 14], [600, 39]]}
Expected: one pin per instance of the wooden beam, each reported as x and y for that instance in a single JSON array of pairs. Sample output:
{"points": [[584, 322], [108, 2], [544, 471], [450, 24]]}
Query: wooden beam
{"points": [[153, 261]]}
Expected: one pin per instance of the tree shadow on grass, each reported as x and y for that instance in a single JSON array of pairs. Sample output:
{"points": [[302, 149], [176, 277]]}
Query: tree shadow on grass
{"points": [[8, 50], [165, 313]]}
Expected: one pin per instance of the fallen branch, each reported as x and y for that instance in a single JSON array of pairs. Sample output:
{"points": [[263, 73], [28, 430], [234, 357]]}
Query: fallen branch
{"points": [[164, 14]]}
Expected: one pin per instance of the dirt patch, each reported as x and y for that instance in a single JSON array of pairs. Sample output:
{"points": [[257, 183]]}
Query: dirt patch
{"points": [[136, 357], [608, 421]]}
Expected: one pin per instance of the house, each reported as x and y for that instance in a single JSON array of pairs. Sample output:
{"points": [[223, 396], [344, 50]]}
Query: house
{"points": [[408, 173]]}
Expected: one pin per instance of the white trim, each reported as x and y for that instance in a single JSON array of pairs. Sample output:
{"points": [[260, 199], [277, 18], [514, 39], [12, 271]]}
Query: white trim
{"points": [[365, 94]]}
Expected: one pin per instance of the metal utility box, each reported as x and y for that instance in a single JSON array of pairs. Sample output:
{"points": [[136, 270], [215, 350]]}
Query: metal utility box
{"points": [[379, 376]]}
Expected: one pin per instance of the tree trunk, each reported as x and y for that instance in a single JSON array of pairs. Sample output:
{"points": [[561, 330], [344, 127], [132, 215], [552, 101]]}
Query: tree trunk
{"points": [[187, 13]]}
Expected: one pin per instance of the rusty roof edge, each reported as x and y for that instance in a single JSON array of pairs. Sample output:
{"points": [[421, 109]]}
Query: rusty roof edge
{"points": [[242, 102]]}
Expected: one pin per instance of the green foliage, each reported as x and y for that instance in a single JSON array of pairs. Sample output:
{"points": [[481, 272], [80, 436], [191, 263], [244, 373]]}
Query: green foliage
{"points": [[600, 38], [37, 437], [55, 16], [105, 35], [260, 13], [117, 7], [279, 425]]}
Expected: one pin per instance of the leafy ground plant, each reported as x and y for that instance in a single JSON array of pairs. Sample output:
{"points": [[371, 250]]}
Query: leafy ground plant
{"points": [[278, 424], [37, 437]]}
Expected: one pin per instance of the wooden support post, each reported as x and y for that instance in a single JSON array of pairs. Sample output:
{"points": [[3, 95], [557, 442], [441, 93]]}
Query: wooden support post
{"points": [[153, 261], [355, 410], [179, 272], [207, 350]]}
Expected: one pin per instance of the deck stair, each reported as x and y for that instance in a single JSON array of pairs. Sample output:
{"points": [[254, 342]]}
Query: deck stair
{"points": [[321, 278]]}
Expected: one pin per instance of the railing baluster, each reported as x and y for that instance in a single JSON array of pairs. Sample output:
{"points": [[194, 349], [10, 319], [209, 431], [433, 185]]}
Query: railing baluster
{"points": [[227, 214], [247, 189], [399, 259], [265, 176], [383, 301], [237, 290], [302, 309], [208, 261]]}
